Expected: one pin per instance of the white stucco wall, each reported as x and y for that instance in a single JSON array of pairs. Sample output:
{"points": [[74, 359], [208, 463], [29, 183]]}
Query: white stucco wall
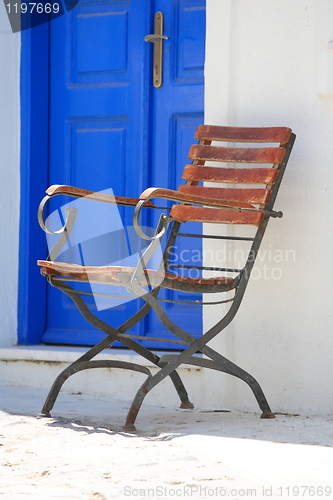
{"points": [[9, 177], [271, 64]]}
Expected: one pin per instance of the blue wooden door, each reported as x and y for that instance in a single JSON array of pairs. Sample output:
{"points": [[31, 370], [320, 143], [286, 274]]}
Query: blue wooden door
{"points": [[110, 128]]}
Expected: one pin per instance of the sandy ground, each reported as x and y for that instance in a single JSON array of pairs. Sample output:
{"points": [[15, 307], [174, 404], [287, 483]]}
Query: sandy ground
{"points": [[81, 453]]}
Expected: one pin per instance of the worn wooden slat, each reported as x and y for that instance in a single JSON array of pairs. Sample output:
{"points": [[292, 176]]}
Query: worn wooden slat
{"points": [[252, 196], [185, 213], [200, 198], [103, 274], [121, 275], [243, 134], [93, 195], [236, 155], [230, 175]]}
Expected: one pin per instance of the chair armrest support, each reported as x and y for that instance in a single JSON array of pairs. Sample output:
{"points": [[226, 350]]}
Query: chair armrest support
{"points": [[161, 227], [71, 215]]}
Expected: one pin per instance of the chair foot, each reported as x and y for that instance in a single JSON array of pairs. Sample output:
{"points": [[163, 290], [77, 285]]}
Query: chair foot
{"points": [[267, 414], [128, 428], [44, 414], [187, 405]]}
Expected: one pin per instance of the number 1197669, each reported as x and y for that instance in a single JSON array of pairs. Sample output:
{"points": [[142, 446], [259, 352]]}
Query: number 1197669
{"points": [[30, 8]]}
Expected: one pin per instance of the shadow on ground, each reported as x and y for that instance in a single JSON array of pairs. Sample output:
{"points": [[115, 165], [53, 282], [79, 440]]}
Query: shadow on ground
{"points": [[87, 415]]}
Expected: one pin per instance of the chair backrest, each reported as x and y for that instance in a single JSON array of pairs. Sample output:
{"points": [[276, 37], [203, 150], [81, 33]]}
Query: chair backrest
{"points": [[257, 172]]}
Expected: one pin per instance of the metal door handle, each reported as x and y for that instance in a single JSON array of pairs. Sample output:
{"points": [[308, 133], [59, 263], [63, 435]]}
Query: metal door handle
{"points": [[157, 39]]}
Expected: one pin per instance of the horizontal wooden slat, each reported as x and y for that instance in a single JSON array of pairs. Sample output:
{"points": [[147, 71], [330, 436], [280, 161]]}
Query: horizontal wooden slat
{"points": [[236, 155], [103, 274], [253, 196], [243, 134], [230, 175], [195, 199], [185, 213], [120, 275]]}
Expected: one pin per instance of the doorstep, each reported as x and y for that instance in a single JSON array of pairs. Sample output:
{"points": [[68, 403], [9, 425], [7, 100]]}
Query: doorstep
{"points": [[38, 366], [68, 354]]}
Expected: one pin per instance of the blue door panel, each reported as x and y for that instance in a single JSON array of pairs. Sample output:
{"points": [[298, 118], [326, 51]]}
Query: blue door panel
{"points": [[190, 57], [111, 129], [96, 146], [98, 117], [100, 44]]}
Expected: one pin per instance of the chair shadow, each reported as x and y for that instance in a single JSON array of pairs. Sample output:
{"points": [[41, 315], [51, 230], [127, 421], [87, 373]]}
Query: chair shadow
{"points": [[285, 428], [91, 415]]}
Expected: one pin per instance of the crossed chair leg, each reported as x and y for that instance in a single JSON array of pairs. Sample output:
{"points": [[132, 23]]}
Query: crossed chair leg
{"points": [[84, 362]]}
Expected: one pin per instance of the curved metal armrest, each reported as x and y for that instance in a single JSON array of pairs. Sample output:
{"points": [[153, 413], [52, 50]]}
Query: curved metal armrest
{"points": [[93, 195], [75, 192]]}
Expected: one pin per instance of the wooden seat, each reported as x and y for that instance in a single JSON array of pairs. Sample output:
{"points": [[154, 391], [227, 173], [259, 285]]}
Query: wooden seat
{"points": [[118, 275], [244, 171]]}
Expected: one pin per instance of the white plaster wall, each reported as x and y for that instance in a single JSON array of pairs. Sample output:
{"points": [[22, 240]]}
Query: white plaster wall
{"points": [[270, 63], [9, 177]]}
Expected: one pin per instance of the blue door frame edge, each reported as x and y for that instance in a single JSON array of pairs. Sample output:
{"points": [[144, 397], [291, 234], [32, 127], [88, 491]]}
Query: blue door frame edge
{"points": [[34, 175]]}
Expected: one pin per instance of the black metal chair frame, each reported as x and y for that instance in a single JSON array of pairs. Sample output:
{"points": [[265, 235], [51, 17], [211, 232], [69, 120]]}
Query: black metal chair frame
{"points": [[167, 363]]}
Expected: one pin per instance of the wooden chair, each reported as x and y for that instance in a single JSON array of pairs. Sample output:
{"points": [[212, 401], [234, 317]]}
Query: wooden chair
{"points": [[231, 200]]}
